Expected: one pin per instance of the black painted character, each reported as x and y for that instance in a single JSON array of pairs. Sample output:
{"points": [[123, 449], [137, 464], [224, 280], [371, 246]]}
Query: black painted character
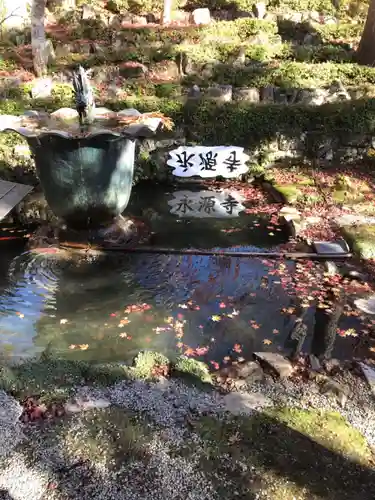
{"points": [[232, 162], [209, 161]]}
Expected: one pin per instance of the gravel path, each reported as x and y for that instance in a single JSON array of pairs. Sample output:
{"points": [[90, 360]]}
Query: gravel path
{"points": [[167, 466]]}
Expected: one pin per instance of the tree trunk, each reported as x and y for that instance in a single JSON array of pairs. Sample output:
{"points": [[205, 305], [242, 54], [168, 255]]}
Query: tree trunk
{"points": [[366, 49], [167, 9], [38, 37]]}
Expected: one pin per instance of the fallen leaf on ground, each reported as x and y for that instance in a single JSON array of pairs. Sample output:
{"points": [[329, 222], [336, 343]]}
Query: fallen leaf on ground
{"points": [[201, 351], [237, 348], [160, 371], [189, 352]]}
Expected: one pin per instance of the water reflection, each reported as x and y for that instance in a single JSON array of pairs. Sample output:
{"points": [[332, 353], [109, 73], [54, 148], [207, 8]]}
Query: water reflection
{"points": [[215, 307], [29, 285], [79, 309]]}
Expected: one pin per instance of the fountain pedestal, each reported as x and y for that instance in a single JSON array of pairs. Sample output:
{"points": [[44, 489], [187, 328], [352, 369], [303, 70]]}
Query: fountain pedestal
{"points": [[122, 232]]}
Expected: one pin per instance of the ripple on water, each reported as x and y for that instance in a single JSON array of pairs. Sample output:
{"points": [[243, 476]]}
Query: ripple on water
{"points": [[64, 302]]}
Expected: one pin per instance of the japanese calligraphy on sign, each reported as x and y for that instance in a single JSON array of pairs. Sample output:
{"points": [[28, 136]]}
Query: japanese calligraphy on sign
{"points": [[226, 161], [203, 204]]}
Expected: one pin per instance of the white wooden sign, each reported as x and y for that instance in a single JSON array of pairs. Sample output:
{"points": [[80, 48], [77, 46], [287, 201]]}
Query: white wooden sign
{"points": [[203, 204], [226, 161]]}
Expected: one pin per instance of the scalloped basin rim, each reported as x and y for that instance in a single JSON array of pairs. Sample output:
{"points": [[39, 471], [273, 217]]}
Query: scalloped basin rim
{"points": [[132, 131], [64, 123]]}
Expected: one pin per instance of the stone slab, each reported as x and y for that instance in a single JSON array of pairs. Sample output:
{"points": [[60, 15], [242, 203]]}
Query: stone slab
{"points": [[11, 194], [350, 219], [280, 365], [331, 247], [369, 374], [366, 305]]}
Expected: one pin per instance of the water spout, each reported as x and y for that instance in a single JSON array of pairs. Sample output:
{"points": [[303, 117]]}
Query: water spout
{"points": [[84, 97]]}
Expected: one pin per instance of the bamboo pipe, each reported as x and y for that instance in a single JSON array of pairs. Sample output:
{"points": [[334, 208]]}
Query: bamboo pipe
{"points": [[222, 253]]}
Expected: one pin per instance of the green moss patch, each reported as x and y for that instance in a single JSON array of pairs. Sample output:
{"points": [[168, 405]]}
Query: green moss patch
{"points": [[289, 74], [362, 239], [146, 361], [192, 369], [56, 378], [355, 193], [304, 454], [294, 186], [289, 192]]}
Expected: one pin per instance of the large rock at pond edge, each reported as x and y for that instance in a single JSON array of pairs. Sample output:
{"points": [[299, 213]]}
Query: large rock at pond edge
{"points": [[201, 16], [369, 374], [281, 366]]}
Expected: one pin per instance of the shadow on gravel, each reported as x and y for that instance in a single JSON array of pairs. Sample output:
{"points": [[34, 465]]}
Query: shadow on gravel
{"points": [[313, 468], [4, 495], [244, 455]]}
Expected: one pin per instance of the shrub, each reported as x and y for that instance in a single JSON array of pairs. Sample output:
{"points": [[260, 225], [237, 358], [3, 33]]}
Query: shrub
{"points": [[321, 53], [246, 124], [339, 8], [288, 74], [339, 32], [249, 125]]}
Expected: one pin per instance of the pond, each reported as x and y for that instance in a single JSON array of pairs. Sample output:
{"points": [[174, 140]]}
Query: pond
{"points": [[215, 308]]}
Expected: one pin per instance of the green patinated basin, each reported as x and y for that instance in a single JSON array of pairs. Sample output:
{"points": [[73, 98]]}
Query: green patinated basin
{"points": [[86, 175], [85, 181]]}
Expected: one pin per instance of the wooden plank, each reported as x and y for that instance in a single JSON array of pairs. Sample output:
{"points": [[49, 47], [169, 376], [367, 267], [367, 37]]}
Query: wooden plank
{"points": [[13, 197]]}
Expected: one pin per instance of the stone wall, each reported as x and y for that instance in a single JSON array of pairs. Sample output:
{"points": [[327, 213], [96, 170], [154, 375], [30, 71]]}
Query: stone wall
{"points": [[152, 154], [272, 94], [343, 149]]}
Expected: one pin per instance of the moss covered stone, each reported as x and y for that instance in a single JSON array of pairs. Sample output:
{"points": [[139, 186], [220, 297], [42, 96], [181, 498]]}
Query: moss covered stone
{"points": [[146, 361], [362, 239], [193, 369], [289, 192]]}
